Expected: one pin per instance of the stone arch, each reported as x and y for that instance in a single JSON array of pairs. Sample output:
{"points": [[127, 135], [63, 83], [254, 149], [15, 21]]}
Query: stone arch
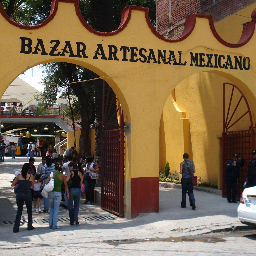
{"points": [[191, 122]]}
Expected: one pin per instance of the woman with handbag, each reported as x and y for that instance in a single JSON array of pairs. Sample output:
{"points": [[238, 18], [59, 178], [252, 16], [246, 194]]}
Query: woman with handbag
{"points": [[55, 196], [187, 169], [47, 169], [25, 182], [75, 180], [91, 175]]}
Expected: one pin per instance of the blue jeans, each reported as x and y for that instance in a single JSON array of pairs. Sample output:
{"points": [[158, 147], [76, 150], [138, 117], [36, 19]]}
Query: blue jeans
{"points": [[54, 198], [187, 187], [46, 204], [73, 203], [89, 189], [22, 197]]}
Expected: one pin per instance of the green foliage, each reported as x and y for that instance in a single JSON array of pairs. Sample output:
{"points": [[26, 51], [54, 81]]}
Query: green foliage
{"points": [[174, 178], [166, 170], [27, 12], [202, 183]]}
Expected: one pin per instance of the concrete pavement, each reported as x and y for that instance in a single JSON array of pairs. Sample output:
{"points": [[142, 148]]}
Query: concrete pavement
{"points": [[100, 232]]}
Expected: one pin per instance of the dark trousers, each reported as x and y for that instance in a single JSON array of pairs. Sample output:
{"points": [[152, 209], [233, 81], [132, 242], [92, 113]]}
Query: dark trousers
{"points": [[2, 153], [187, 187], [22, 197], [89, 189], [231, 189]]}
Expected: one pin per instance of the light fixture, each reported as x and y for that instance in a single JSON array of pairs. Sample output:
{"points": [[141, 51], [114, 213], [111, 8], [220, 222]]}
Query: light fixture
{"points": [[35, 130], [45, 128]]}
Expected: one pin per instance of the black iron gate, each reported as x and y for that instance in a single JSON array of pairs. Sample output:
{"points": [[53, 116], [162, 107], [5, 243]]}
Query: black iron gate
{"points": [[241, 142], [112, 161]]}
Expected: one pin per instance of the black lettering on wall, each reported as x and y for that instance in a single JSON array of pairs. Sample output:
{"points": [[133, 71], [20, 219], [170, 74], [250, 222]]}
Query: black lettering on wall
{"points": [[180, 61], [194, 59], [26, 45], [246, 63], [125, 50], [201, 60], [81, 47], [134, 55], [112, 52], [209, 61], [67, 49], [229, 63], [238, 62], [54, 48], [151, 56], [172, 58], [100, 52], [161, 56], [40, 47], [220, 62], [143, 58]]}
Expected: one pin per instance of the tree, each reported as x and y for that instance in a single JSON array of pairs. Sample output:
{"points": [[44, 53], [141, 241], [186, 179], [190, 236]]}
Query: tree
{"points": [[105, 18], [102, 15]]}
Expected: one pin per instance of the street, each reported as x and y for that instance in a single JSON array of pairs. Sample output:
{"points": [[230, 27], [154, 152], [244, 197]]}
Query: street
{"points": [[213, 228]]}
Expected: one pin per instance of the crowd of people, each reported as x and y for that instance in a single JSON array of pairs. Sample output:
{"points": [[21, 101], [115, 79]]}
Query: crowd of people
{"points": [[68, 176]]}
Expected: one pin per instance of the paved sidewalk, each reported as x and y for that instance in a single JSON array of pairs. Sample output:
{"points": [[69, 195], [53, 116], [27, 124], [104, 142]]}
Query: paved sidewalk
{"points": [[100, 231]]}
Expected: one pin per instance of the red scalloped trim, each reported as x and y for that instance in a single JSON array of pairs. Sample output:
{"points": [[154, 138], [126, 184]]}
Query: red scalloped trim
{"points": [[247, 33]]}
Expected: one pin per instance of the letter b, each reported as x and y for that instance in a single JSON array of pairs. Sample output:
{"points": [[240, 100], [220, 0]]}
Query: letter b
{"points": [[26, 45]]}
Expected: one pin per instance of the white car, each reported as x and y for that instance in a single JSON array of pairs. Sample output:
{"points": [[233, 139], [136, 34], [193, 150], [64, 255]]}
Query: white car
{"points": [[247, 207]]}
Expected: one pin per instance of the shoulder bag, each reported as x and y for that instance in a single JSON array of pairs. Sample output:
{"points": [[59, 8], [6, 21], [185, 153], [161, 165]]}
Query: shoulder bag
{"points": [[193, 178], [70, 183], [48, 187], [93, 175]]}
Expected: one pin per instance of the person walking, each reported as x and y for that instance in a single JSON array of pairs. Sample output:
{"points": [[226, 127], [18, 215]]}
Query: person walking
{"points": [[251, 177], [2, 150], [55, 196], [76, 177], [25, 182], [231, 176], [47, 169], [39, 169], [13, 149], [187, 169], [90, 181]]}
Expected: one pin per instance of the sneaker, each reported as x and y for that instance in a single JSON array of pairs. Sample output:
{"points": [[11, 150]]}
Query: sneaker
{"points": [[45, 211], [76, 221], [86, 202], [39, 210], [34, 209]]}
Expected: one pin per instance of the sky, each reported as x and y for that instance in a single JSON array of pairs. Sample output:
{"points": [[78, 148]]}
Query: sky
{"points": [[33, 76]]}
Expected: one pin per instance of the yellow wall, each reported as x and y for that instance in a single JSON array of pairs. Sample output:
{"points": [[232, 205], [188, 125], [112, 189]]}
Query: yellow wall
{"points": [[73, 140], [230, 28], [143, 88], [199, 98]]}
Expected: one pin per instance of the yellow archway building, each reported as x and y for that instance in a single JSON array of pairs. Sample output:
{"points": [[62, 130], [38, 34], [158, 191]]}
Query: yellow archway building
{"points": [[143, 69]]}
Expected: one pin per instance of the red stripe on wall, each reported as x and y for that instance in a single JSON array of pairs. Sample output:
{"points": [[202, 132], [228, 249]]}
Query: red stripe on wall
{"points": [[144, 195]]}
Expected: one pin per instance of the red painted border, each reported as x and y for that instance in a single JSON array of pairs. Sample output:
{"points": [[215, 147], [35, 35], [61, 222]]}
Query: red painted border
{"points": [[144, 195], [247, 33]]}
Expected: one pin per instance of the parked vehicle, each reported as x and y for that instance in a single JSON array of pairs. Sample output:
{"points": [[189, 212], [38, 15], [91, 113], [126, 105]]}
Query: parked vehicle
{"points": [[247, 207]]}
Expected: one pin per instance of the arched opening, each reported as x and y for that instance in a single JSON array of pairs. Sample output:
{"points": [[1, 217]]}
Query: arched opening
{"points": [[192, 122], [110, 180]]}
